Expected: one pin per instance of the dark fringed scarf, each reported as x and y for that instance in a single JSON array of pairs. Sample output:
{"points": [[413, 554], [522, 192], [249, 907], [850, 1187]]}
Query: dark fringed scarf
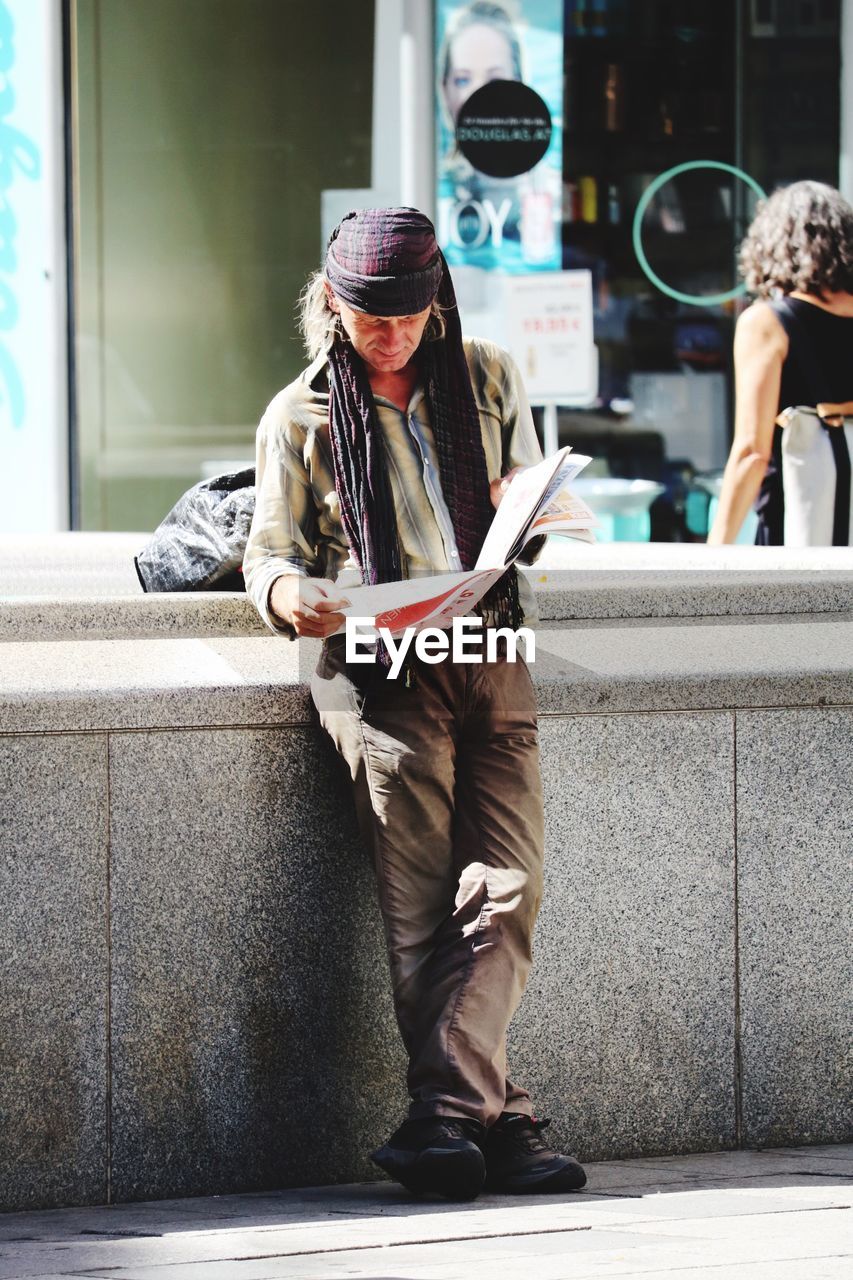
{"points": [[386, 262]]}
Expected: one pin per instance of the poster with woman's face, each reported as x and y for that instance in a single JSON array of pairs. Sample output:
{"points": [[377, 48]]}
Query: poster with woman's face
{"points": [[499, 133]]}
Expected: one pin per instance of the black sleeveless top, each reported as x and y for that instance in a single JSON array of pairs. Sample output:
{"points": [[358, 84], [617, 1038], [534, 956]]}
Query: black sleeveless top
{"points": [[829, 338]]}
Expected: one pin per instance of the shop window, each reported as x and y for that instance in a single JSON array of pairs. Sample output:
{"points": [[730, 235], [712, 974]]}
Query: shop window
{"points": [[204, 133], [651, 88]]}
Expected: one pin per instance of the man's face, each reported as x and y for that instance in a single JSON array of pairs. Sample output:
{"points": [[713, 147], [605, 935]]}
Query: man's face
{"points": [[386, 344]]}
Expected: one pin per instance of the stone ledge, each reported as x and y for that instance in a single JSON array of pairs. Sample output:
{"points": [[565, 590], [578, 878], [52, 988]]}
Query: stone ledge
{"points": [[562, 595], [68, 565], [199, 615], [580, 668], [83, 586], [671, 593]]}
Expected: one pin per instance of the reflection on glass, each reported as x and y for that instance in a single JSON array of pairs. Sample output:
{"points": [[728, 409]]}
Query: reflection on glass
{"points": [[201, 146]]}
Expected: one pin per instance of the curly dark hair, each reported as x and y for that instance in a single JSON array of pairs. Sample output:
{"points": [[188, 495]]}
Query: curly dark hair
{"points": [[800, 239]]}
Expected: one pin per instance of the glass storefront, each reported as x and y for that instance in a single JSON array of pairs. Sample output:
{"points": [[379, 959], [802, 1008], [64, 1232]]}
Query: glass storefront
{"points": [[728, 98], [205, 132], [672, 119]]}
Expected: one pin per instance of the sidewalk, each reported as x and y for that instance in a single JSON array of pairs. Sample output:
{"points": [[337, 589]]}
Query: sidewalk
{"points": [[772, 1215]]}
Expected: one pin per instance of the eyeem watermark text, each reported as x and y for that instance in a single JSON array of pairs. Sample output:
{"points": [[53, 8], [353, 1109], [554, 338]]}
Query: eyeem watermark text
{"points": [[465, 643]]}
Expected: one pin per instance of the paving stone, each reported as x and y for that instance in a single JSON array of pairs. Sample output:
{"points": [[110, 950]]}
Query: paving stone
{"points": [[736, 1231], [833, 1151], [402, 1259]]}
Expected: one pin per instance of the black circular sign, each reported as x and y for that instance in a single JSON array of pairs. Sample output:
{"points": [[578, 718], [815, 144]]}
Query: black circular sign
{"points": [[504, 128]]}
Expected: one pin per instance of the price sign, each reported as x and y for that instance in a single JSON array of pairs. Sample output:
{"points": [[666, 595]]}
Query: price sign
{"points": [[549, 333]]}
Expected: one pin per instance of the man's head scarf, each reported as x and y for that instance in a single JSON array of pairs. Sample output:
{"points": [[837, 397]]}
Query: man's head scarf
{"points": [[386, 262]]}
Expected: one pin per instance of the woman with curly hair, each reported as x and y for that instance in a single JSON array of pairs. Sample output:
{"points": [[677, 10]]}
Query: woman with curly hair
{"points": [[798, 258]]}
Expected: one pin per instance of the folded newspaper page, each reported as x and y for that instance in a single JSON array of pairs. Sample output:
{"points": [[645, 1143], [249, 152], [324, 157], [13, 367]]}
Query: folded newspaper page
{"points": [[537, 501], [529, 497]]}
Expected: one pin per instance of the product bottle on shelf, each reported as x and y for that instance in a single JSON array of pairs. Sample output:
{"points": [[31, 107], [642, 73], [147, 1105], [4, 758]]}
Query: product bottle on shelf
{"points": [[538, 241], [588, 188], [598, 18], [763, 18], [614, 98], [617, 17], [666, 110], [571, 202]]}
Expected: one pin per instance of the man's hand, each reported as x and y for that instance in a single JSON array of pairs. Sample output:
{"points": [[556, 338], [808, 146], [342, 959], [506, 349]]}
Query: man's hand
{"points": [[311, 605], [498, 488]]}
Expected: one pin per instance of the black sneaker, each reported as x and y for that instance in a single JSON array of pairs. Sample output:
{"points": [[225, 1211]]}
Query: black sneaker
{"points": [[520, 1161], [437, 1153]]}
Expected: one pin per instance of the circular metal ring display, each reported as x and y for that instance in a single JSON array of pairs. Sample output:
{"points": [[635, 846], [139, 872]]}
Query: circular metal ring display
{"points": [[693, 300]]}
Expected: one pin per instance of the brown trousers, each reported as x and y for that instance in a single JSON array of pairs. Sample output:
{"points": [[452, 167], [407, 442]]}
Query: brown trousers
{"points": [[449, 799]]}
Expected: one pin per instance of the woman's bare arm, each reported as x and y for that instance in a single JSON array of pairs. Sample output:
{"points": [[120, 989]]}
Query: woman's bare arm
{"points": [[760, 348]]}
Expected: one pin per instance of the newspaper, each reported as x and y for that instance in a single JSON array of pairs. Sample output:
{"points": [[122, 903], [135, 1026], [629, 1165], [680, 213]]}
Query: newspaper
{"points": [[537, 501]]}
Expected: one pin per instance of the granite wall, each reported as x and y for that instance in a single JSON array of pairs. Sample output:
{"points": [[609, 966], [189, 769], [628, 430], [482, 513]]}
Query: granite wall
{"points": [[193, 988]]}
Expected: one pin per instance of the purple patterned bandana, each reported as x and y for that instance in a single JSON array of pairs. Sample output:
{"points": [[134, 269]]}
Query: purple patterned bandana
{"points": [[385, 262]]}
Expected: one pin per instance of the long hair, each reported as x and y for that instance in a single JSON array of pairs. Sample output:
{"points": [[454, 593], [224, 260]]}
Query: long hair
{"points": [[800, 239], [318, 323]]}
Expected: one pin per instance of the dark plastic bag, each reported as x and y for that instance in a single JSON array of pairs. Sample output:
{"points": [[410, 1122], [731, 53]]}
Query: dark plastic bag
{"points": [[200, 544]]}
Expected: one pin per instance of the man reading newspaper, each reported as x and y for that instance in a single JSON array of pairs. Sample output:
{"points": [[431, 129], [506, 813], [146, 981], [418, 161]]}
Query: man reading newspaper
{"points": [[390, 452]]}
